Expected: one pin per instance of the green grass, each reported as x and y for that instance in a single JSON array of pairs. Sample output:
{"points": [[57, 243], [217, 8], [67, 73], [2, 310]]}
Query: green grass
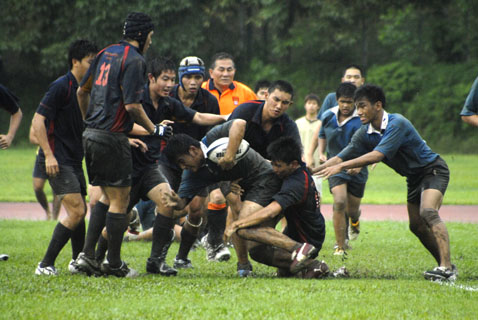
{"points": [[383, 187], [385, 264]]}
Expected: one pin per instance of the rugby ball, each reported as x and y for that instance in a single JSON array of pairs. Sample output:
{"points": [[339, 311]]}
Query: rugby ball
{"points": [[217, 150]]}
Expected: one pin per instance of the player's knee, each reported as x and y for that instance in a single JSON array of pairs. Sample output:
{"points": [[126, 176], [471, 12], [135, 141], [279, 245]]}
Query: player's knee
{"points": [[243, 233], [262, 253], [217, 198], [339, 205], [430, 216]]}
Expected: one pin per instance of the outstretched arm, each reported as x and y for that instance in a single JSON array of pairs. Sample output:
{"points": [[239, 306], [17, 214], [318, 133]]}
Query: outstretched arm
{"points": [[208, 119], [328, 169]]}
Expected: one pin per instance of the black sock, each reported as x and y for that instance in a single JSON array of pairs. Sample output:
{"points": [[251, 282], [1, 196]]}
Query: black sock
{"points": [[187, 241], [78, 239], [161, 234], [101, 249], [96, 225], [116, 224], [217, 223], [60, 237]]}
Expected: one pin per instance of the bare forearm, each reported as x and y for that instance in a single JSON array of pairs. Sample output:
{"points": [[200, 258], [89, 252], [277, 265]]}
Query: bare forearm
{"points": [[362, 161], [236, 134], [331, 162], [83, 101], [139, 116], [15, 120], [265, 214], [39, 132], [208, 119], [472, 120]]}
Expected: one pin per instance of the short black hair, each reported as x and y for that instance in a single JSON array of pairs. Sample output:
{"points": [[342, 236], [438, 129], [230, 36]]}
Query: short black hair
{"points": [[345, 89], [79, 49], [354, 66], [262, 84], [285, 149], [283, 86], [372, 93], [221, 56], [179, 145], [157, 65], [312, 96]]}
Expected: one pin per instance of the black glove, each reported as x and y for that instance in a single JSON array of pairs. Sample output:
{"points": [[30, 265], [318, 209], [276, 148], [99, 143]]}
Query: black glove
{"points": [[164, 132]]}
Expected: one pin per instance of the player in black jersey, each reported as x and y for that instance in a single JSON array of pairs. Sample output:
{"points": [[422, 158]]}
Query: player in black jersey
{"points": [[57, 127], [298, 201], [110, 97]]}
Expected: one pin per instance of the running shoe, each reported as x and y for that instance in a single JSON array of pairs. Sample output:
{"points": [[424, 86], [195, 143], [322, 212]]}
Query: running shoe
{"points": [[46, 271]]}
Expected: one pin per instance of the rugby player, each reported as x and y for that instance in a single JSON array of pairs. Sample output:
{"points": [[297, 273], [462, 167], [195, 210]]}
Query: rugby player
{"points": [[299, 201], [9, 102], [112, 91], [253, 173], [338, 126], [393, 139], [57, 126]]}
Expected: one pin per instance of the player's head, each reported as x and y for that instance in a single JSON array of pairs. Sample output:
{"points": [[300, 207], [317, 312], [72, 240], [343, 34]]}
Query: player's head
{"points": [[185, 151], [161, 75], [222, 69], [311, 103], [345, 98], [191, 74], [80, 54], [369, 101], [261, 89], [278, 100], [139, 26], [354, 73], [285, 154]]}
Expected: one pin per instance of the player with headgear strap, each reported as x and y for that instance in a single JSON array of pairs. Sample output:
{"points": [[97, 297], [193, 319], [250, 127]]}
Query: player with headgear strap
{"points": [[113, 86]]}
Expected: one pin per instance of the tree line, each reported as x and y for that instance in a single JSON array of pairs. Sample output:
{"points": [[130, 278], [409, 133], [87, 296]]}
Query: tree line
{"points": [[423, 53]]}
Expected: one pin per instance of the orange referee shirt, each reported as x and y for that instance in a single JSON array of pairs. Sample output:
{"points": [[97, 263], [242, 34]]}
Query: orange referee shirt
{"points": [[230, 98]]}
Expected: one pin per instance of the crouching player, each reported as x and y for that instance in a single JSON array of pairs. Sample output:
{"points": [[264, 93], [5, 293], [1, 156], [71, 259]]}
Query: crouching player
{"points": [[298, 200], [391, 138]]}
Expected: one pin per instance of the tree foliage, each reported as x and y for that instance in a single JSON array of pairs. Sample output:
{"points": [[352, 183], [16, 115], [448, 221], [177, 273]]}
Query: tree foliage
{"points": [[418, 51]]}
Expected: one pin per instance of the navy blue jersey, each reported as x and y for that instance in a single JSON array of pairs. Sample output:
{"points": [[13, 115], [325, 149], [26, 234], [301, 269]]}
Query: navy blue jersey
{"points": [[8, 100], [116, 78], [205, 103], [258, 139], [299, 201], [64, 124], [404, 150], [330, 101], [168, 109], [338, 136], [471, 104]]}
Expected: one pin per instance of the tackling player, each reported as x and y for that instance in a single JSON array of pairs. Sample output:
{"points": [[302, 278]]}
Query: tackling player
{"points": [[299, 201]]}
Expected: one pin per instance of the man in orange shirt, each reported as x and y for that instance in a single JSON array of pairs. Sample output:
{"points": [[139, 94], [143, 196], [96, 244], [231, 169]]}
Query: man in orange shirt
{"points": [[229, 93]]}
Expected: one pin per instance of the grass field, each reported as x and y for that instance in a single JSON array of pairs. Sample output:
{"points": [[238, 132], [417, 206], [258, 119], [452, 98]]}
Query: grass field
{"points": [[383, 187], [386, 265]]}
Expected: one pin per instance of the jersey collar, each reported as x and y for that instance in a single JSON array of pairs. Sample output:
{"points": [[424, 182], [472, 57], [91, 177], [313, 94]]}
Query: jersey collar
{"points": [[384, 125], [335, 110]]}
